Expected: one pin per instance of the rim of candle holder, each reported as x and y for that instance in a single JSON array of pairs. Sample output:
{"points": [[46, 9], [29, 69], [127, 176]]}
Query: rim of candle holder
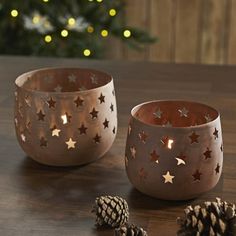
{"points": [[25, 77], [135, 109]]}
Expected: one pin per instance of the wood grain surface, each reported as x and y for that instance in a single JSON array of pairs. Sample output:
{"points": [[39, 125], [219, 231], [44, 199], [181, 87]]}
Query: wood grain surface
{"points": [[48, 201]]}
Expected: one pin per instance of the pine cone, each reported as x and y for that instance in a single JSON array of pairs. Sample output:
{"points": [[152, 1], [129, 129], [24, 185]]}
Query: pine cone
{"points": [[130, 230], [213, 218], [111, 211]]}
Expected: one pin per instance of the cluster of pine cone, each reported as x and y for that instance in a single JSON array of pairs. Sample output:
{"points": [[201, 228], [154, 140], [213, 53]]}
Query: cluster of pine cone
{"points": [[114, 212], [216, 218]]}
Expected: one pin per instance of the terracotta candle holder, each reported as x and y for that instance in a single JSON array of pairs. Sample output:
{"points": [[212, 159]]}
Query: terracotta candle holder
{"points": [[65, 116], [174, 149]]}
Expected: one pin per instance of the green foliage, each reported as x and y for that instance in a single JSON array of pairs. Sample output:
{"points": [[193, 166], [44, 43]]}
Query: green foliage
{"points": [[25, 33]]}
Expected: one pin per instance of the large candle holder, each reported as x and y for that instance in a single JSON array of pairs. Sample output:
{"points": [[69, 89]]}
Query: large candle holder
{"points": [[65, 116], [174, 149]]}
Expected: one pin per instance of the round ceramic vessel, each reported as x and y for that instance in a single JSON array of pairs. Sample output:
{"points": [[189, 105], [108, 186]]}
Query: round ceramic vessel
{"points": [[174, 149], [65, 116]]}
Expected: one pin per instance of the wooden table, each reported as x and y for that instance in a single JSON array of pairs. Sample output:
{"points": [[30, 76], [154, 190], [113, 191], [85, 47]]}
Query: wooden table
{"points": [[41, 200]]}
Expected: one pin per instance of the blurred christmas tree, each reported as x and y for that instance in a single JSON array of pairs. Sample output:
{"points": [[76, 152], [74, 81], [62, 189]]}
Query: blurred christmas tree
{"points": [[65, 28]]}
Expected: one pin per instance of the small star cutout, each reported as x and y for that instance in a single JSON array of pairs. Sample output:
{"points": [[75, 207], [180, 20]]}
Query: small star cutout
{"points": [[72, 78], [27, 101], [94, 79], [194, 137], [158, 113], [221, 147], [51, 103], [102, 98], [217, 169], [112, 107], [66, 118], [133, 152], [70, 143], [97, 138], [113, 92], [106, 124], [180, 159], [207, 154], [215, 133], [47, 79], [58, 88], [208, 118], [78, 101], [20, 110], [94, 113], [154, 156], [23, 138], [43, 142], [183, 112], [82, 129], [168, 177], [197, 175], [114, 130], [55, 132], [142, 174], [143, 136], [41, 115]]}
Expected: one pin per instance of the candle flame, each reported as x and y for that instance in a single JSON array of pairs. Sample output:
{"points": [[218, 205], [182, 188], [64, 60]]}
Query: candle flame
{"points": [[170, 142], [64, 119]]}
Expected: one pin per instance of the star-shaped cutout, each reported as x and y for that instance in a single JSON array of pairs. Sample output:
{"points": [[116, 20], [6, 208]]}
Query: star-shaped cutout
{"points": [[106, 123], [197, 175], [112, 107], [142, 174], [167, 142], [114, 130], [207, 154], [82, 88], [47, 79], [27, 101], [16, 121], [143, 136], [133, 151], [183, 112], [215, 133], [158, 113], [217, 169], [58, 88], [181, 159], [40, 115], [51, 103], [56, 132], [23, 138], [94, 113], [82, 129], [70, 143], [43, 142], [79, 101], [97, 138], [72, 78], [194, 137], [102, 98], [20, 110], [168, 177], [208, 118], [154, 156], [113, 92], [66, 118], [28, 126]]}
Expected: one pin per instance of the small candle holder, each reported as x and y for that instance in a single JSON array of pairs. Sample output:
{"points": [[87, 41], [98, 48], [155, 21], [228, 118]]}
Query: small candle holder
{"points": [[174, 149], [65, 116]]}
